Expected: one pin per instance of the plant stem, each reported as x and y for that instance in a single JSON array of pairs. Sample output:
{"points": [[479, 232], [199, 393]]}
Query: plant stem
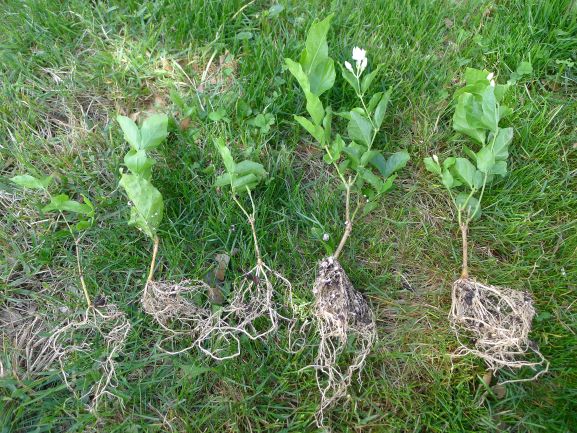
{"points": [[465, 270], [78, 263], [251, 221], [348, 222], [153, 261]]}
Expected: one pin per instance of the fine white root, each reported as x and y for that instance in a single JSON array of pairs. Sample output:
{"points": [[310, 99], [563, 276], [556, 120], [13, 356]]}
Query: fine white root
{"points": [[497, 320], [107, 323], [180, 310], [341, 312]]}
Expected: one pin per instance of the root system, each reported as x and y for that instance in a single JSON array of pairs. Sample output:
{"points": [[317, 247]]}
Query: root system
{"points": [[343, 316], [498, 321]]}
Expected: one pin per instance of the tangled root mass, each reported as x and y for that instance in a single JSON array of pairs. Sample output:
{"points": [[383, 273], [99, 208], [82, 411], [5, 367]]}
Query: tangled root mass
{"points": [[341, 312], [498, 321], [180, 310]]}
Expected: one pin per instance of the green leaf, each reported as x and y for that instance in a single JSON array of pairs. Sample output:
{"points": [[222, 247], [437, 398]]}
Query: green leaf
{"points": [[354, 151], [368, 79], [250, 167], [316, 48], [473, 75], [369, 207], [464, 111], [449, 162], [465, 171], [387, 184], [394, 163], [360, 129], [296, 70], [62, 202], [485, 159], [447, 179], [351, 79], [502, 141], [83, 225], [138, 163], [327, 124], [370, 178], [375, 99], [500, 168], [524, 68], [368, 156], [153, 131], [315, 130], [315, 107], [147, 204], [432, 166], [28, 181], [275, 10], [322, 78], [335, 150], [244, 183], [381, 108], [225, 155], [131, 131], [243, 36], [472, 207]]}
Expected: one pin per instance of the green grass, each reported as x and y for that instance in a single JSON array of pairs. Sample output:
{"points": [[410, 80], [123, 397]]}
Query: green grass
{"points": [[67, 69]]}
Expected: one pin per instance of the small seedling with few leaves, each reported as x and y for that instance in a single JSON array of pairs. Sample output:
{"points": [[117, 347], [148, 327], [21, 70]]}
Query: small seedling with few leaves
{"points": [[366, 177], [100, 319], [497, 319], [253, 296]]}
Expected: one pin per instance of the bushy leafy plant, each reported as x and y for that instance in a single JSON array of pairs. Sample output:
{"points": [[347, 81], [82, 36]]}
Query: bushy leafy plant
{"points": [[363, 170], [478, 112]]}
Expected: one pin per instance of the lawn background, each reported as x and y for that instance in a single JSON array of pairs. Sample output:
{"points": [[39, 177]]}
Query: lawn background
{"points": [[67, 68]]}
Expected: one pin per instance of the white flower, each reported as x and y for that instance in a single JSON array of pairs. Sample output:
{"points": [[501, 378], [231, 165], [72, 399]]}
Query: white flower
{"points": [[490, 76], [492, 83], [359, 54], [349, 67], [326, 237], [436, 158]]}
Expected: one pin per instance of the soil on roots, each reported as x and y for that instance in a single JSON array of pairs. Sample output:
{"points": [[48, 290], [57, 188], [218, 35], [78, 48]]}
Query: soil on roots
{"points": [[498, 321], [341, 312]]}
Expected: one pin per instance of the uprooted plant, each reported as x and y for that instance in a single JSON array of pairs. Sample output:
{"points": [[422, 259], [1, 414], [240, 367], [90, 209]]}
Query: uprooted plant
{"points": [[99, 320], [183, 308], [497, 320], [255, 295], [366, 175]]}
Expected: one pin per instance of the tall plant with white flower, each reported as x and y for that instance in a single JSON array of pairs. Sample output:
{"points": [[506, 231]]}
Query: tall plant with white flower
{"points": [[497, 319], [366, 176]]}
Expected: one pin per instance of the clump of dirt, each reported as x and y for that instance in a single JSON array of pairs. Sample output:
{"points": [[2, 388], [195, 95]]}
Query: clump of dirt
{"points": [[341, 312], [498, 321]]}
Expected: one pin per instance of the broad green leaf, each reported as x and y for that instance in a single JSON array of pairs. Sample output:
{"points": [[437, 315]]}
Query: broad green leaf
{"points": [[153, 131], [225, 155], [250, 167], [470, 205], [500, 90], [381, 108], [502, 141], [335, 150], [83, 225], [244, 183], [485, 159], [369, 207], [360, 129], [316, 131], [387, 184], [147, 204], [368, 79], [62, 202], [131, 131], [375, 99], [354, 151], [465, 171], [315, 107], [370, 178], [473, 75], [431, 165], [275, 10], [138, 163], [500, 168], [490, 117], [394, 163], [296, 70], [504, 111], [368, 156], [28, 181], [243, 36], [316, 47], [447, 179], [524, 68], [322, 77], [449, 162], [327, 124], [351, 79], [462, 121]]}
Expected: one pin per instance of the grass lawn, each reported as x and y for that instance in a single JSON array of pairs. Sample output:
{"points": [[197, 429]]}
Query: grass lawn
{"points": [[67, 68]]}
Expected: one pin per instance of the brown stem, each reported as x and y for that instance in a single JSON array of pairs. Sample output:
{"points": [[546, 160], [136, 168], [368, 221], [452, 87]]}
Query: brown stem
{"points": [[348, 222], [465, 271], [81, 275]]}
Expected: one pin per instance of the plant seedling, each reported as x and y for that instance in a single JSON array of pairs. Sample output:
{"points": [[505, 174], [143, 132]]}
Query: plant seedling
{"points": [[497, 319], [168, 302], [366, 176], [252, 297], [104, 320]]}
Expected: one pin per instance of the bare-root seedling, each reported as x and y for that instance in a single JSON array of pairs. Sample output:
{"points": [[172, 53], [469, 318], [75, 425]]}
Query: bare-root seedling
{"points": [[366, 175], [490, 322]]}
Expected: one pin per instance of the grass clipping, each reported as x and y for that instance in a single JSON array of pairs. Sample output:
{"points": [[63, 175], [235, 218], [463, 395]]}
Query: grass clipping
{"points": [[342, 314], [497, 320]]}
